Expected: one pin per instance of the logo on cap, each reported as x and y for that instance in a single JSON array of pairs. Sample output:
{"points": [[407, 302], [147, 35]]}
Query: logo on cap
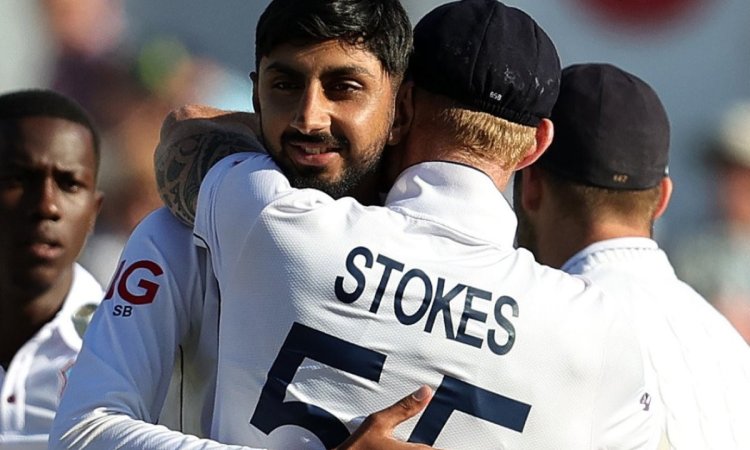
{"points": [[620, 178]]}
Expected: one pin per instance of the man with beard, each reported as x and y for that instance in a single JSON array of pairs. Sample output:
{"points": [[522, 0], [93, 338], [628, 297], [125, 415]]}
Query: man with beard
{"points": [[326, 93]]}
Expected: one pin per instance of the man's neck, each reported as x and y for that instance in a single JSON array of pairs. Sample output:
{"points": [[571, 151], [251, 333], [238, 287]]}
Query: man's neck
{"points": [[576, 238], [436, 151], [24, 311], [368, 190]]}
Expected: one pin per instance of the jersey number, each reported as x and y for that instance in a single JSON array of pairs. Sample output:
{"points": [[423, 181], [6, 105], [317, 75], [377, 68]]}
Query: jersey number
{"points": [[303, 342]]}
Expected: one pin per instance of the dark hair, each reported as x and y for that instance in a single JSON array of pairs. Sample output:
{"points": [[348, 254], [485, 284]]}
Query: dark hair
{"points": [[43, 102], [380, 27]]}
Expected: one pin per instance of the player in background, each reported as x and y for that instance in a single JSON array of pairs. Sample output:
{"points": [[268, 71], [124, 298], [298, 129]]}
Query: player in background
{"points": [[331, 308], [161, 309], [601, 186], [49, 157], [715, 258]]}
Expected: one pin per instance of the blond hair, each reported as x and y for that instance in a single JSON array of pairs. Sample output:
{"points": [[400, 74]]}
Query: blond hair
{"points": [[482, 135]]}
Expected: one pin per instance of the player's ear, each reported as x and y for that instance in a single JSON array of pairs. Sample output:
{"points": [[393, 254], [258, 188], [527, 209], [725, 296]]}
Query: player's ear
{"points": [[256, 103], [666, 194], [545, 131], [403, 113], [530, 189]]}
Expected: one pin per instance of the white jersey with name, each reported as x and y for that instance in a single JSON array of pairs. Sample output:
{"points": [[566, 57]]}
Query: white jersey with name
{"points": [[37, 374], [159, 313], [331, 310], [696, 361]]}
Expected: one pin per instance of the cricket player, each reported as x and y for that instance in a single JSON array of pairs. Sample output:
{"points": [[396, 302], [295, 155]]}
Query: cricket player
{"points": [[161, 309], [331, 308], [602, 184], [49, 156]]}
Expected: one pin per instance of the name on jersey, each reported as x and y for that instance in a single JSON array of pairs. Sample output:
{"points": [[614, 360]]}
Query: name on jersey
{"points": [[420, 299]]}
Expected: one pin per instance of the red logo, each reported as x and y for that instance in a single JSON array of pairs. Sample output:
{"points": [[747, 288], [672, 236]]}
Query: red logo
{"points": [[148, 288]]}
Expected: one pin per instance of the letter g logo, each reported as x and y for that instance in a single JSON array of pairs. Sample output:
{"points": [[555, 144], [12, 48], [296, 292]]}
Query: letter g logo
{"points": [[149, 288]]}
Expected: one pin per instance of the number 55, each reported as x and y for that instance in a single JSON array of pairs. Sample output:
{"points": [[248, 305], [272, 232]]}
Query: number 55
{"points": [[302, 342]]}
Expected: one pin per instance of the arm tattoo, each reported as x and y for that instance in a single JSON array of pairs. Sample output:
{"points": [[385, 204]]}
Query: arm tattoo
{"points": [[180, 166]]}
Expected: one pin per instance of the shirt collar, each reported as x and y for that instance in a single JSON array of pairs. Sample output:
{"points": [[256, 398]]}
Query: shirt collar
{"points": [[79, 305], [457, 196], [601, 247]]}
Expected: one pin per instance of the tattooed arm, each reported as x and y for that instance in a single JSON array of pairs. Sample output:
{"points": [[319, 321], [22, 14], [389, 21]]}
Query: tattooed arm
{"points": [[193, 138]]}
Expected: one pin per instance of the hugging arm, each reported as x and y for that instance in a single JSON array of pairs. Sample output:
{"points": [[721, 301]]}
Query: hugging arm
{"points": [[193, 138]]}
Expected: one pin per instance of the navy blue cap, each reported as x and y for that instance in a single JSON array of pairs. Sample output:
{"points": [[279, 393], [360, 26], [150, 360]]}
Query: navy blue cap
{"points": [[489, 57], [611, 130]]}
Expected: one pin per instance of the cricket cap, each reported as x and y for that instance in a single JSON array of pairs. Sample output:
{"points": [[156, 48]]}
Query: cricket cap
{"points": [[611, 130], [489, 57]]}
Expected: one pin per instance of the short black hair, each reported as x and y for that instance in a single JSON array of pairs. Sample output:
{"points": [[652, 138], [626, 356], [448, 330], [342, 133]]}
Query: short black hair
{"points": [[18, 105], [381, 27]]}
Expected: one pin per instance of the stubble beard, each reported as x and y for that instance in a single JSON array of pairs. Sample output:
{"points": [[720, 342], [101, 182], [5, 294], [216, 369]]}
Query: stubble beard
{"points": [[354, 171], [351, 177]]}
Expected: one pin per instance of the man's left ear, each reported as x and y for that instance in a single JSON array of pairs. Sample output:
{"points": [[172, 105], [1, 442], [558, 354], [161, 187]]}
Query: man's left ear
{"points": [[666, 194], [403, 114], [545, 131], [530, 190]]}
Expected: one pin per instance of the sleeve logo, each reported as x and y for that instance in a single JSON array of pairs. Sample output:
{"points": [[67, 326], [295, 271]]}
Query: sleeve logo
{"points": [[135, 284]]}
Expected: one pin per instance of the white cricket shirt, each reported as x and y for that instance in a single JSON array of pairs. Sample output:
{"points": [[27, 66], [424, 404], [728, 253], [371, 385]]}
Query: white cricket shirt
{"points": [[30, 390], [697, 363], [160, 313], [331, 310]]}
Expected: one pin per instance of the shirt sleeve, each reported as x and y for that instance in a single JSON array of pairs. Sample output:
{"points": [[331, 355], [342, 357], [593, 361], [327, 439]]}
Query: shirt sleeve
{"points": [[117, 388]]}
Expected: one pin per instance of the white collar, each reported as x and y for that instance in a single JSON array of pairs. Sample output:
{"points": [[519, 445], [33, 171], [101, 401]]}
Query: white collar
{"points": [[84, 290], [458, 196], [635, 243]]}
